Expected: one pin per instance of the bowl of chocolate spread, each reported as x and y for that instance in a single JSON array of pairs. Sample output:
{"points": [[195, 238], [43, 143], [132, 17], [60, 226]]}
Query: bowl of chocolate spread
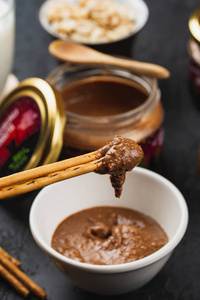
{"points": [[98, 240]]}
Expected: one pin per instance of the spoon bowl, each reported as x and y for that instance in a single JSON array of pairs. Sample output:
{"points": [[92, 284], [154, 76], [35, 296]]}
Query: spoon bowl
{"points": [[77, 53]]}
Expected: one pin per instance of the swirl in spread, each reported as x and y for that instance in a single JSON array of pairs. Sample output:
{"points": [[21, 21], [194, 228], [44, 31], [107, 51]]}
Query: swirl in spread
{"points": [[118, 157], [108, 235]]}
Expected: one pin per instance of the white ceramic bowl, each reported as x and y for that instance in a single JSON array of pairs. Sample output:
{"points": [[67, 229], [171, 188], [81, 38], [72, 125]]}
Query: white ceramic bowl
{"points": [[144, 191], [118, 46], [139, 6]]}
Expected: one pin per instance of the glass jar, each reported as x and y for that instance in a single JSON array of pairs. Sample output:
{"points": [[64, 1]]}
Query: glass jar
{"points": [[7, 39], [194, 50], [194, 64], [143, 123]]}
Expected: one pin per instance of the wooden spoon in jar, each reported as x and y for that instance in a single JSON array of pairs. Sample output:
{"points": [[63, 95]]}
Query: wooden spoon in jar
{"points": [[77, 53]]}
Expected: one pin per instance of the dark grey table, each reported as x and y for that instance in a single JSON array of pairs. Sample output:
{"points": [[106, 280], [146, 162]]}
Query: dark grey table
{"points": [[163, 41]]}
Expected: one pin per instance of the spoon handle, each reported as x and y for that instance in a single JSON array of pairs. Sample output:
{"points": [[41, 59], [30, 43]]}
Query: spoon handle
{"points": [[77, 53], [137, 67]]}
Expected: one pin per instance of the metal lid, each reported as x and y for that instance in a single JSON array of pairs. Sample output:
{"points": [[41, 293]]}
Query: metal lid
{"points": [[194, 24], [32, 120]]}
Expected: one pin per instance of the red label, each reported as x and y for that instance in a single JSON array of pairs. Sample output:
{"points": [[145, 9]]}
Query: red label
{"points": [[194, 72], [19, 132], [152, 148]]}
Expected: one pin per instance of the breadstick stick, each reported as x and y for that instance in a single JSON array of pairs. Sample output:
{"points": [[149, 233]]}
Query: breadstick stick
{"points": [[46, 169], [39, 182]]}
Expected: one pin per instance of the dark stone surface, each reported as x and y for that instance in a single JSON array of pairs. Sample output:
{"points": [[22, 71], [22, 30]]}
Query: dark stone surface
{"points": [[163, 41]]}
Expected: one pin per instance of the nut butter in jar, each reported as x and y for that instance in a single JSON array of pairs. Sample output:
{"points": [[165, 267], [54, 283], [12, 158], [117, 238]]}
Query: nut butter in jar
{"points": [[101, 102], [194, 50]]}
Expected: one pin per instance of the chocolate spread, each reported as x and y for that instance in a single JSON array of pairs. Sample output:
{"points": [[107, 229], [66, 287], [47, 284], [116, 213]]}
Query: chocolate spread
{"points": [[103, 96], [119, 156], [108, 236]]}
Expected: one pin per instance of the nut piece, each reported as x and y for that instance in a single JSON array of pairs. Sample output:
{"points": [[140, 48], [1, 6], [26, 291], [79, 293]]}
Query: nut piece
{"points": [[91, 21]]}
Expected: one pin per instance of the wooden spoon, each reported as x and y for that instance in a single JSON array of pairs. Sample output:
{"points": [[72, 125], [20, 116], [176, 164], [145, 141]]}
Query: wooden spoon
{"points": [[77, 53]]}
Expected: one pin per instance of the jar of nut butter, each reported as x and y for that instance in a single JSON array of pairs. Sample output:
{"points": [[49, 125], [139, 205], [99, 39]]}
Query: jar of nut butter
{"points": [[194, 50], [101, 102]]}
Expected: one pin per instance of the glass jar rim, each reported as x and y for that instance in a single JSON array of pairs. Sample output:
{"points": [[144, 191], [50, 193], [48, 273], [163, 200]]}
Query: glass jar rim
{"points": [[146, 82], [194, 25]]}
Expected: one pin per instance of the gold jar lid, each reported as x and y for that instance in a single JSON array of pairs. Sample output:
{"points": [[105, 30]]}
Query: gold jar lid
{"points": [[194, 24], [32, 120]]}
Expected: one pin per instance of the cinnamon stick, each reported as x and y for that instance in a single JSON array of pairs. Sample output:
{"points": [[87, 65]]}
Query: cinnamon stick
{"points": [[12, 268], [11, 258], [18, 286]]}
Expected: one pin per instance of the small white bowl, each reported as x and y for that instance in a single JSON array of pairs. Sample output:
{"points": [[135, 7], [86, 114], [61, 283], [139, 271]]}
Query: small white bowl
{"points": [[113, 47], [139, 6], [144, 191]]}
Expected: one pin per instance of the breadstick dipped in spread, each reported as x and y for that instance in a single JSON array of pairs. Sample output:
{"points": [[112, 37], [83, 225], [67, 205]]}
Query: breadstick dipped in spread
{"points": [[116, 158]]}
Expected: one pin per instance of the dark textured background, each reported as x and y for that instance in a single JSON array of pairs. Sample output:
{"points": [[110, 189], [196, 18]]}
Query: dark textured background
{"points": [[164, 41]]}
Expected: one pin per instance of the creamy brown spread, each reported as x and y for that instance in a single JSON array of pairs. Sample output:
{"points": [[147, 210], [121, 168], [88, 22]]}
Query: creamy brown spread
{"points": [[119, 156], [103, 96], [108, 236]]}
